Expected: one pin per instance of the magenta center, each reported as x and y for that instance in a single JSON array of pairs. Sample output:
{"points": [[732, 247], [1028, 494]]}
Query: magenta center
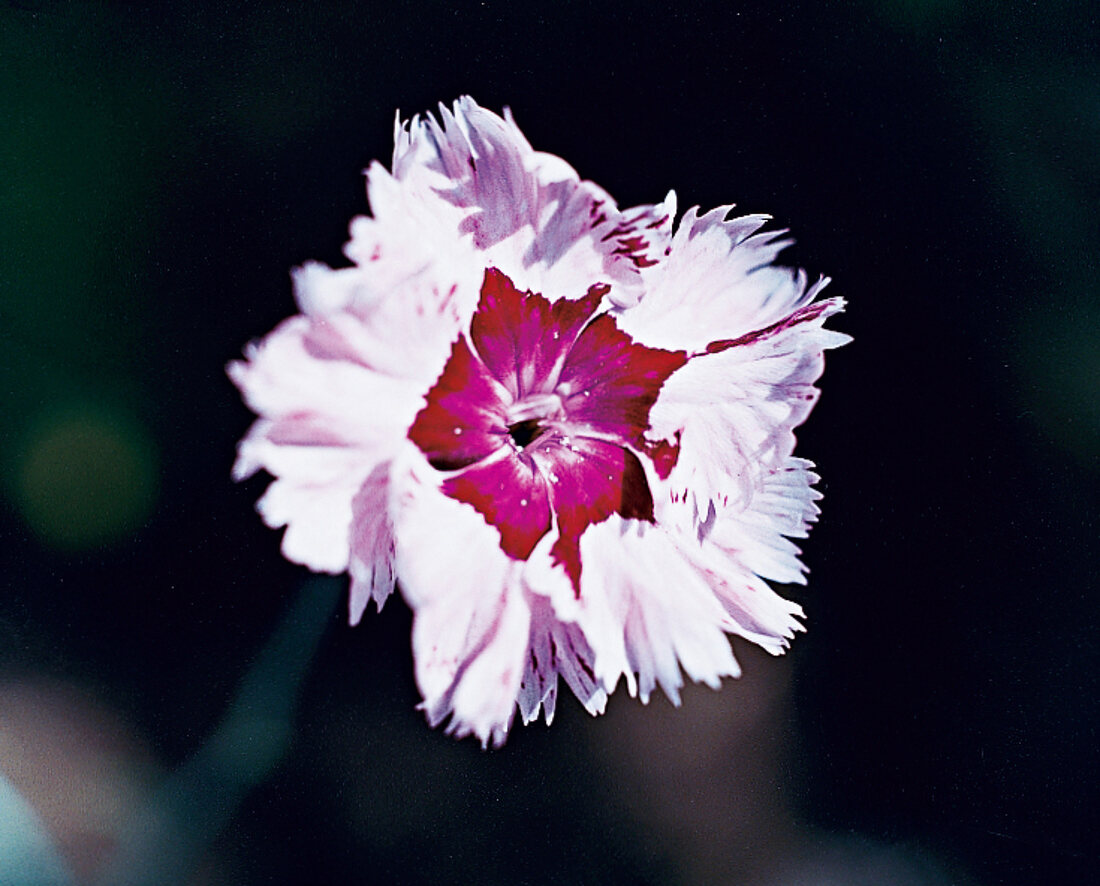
{"points": [[539, 418]]}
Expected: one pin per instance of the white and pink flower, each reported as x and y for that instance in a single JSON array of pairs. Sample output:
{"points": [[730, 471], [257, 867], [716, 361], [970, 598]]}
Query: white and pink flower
{"points": [[563, 429]]}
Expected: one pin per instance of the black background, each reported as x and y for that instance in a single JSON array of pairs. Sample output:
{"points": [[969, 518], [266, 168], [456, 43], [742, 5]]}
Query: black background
{"points": [[166, 166]]}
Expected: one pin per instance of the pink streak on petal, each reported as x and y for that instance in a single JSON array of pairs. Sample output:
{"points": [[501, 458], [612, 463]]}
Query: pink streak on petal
{"points": [[590, 481], [663, 454], [556, 648], [615, 381], [511, 495], [485, 164], [325, 340], [304, 429], [521, 337], [371, 565], [462, 422], [805, 314]]}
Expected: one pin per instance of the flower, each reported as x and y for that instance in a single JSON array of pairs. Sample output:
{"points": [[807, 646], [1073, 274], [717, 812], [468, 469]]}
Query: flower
{"points": [[564, 430]]}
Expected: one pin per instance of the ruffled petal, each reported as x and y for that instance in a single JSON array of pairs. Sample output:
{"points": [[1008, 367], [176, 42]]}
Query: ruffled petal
{"points": [[718, 280], [288, 379], [311, 495], [783, 507], [319, 450], [648, 611], [372, 543], [743, 548], [734, 411], [556, 648], [408, 242], [404, 331], [524, 211], [472, 620], [442, 162]]}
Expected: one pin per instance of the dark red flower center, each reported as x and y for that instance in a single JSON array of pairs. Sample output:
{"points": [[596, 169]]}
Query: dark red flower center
{"points": [[539, 419]]}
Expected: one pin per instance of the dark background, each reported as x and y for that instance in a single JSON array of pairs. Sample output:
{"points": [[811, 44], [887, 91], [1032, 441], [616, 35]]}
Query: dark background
{"points": [[162, 168]]}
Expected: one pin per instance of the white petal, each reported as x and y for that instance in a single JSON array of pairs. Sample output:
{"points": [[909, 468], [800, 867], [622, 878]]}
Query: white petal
{"points": [[484, 697], [327, 420], [647, 611], [289, 377], [556, 648], [783, 506], [401, 328], [525, 212], [735, 412], [718, 282], [319, 290], [472, 619], [438, 164], [313, 501], [740, 549], [371, 563], [757, 612]]}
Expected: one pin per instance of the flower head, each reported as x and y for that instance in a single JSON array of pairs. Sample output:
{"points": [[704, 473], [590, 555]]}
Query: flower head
{"points": [[564, 430]]}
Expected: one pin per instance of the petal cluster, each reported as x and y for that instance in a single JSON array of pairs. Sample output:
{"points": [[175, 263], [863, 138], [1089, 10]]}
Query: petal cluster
{"points": [[563, 430], [537, 430]]}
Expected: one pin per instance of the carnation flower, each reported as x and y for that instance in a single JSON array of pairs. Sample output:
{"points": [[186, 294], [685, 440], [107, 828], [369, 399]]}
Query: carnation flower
{"points": [[562, 429]]}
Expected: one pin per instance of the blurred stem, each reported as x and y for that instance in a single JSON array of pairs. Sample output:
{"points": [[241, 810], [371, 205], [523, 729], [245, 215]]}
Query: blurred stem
{"points": [[168, 836]]}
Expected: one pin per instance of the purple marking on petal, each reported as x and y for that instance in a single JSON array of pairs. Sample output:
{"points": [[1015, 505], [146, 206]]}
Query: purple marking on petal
{"points": [[589, 481], [521, 337], [634, 249], [804, 314], [663, 454], [614, 382], [632, 241], [511, 495], [462, 421], [325, 341], [304, 429]]}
